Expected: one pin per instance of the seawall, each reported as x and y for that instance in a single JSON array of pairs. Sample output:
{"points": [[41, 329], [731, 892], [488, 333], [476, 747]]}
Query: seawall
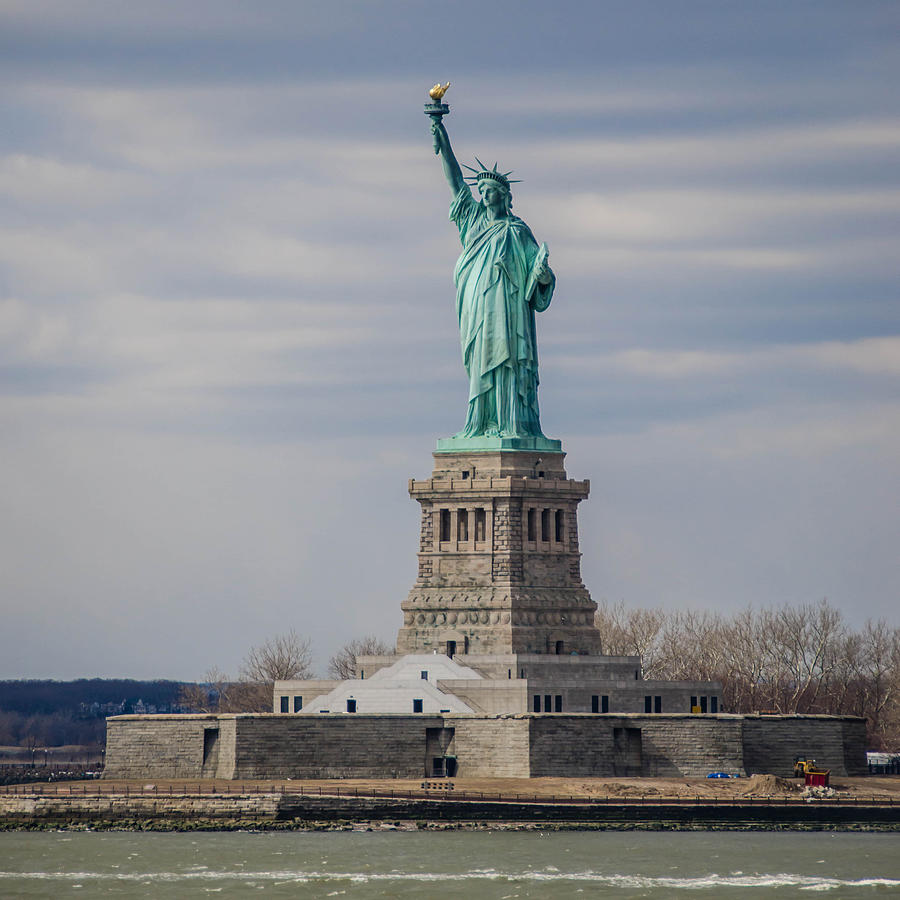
{"points": [[293, 810]]}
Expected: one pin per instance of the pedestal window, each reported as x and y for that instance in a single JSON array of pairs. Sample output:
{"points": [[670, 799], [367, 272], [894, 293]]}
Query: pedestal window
{"points": [[480, 525], [462, 525]]}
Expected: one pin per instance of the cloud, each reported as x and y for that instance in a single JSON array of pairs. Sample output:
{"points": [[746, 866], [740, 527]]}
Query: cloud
{"points": [[689, 215], [718, 150], [91, 21], [745, 507], [51, 183], [870, 356]]}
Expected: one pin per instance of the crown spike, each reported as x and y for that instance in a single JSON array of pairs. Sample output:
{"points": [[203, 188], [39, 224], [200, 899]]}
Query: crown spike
{"points": [[492, 174]]}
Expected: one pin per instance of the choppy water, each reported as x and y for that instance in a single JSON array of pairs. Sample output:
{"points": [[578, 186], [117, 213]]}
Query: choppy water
{"points": [[502, 865]]}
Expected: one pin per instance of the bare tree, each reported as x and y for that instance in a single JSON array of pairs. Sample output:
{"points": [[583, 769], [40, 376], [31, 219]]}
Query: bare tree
{"points": [[343, 664], [280, 658], [208, 696], [644, 631], [634, 632], [611, 620], [879, 682], [806, 637], [691, 646]]}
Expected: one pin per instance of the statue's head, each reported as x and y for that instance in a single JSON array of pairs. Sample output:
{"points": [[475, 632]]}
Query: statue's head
{"points": [[492, 184]]}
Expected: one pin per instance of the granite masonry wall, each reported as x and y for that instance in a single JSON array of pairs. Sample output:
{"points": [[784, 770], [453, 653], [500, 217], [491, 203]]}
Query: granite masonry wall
{"points": [[339, 746], [855, 743], [574, 745], [158, 746], [771, 743], [495, 747], [402, 746], [691, 745]]}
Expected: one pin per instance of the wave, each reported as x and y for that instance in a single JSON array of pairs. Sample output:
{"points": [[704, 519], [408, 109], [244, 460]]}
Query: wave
{"points": [[701, 882]]}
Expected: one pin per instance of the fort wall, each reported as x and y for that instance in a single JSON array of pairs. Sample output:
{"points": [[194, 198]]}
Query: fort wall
{"points": [[405, 746]]}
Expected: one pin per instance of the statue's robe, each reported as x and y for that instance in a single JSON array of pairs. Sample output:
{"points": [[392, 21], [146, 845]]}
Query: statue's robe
{"points": [[497, 295]]}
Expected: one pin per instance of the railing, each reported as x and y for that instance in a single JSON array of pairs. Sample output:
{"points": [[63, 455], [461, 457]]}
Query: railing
{"points": [[199, 789], [499, 482]]}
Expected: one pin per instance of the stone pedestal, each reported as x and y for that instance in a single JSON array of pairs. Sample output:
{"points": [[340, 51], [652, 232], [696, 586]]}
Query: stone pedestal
{"points": [[499, 564]]}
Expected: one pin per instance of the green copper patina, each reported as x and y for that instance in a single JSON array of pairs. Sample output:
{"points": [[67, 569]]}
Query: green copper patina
{"points": [[503, 278]]}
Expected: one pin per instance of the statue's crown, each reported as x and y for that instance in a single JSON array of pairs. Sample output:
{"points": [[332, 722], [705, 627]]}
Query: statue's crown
{"points": [[486, 174]]}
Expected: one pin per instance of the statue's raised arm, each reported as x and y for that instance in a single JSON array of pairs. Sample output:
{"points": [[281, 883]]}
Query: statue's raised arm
{"points": [[436, 110], [452, 171]]}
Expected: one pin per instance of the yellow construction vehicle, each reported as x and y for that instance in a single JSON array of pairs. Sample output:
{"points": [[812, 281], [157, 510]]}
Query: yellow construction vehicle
{"points": [[802, 765], [805, 767]]}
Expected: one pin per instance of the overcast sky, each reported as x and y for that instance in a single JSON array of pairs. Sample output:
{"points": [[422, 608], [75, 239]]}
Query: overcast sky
{"points": [[227, 328]]}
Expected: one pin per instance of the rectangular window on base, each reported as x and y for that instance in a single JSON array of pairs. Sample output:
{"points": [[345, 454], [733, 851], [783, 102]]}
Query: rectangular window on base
{"points": [[537, 703], [560, 529], [285, 704], [532, 528], [714, 704], [445, 524], [462, 525], [547, 699], [604, 703], [703, 704], [351, 706], [545, 524], [657, 704], [557, 703], [595, 703], [417, 706], [480, 525], [298, 703], [648, 704]]}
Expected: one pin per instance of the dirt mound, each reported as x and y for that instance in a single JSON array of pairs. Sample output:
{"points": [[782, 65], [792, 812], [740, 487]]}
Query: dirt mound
{"points": [[618, 789], [768, 786]]}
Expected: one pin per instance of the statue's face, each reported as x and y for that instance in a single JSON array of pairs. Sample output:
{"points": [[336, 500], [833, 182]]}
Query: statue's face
{"points": [[492, 196]]}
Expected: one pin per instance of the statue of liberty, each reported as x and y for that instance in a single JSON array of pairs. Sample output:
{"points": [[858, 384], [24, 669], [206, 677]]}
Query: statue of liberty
{"points": [[502, 278]]}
